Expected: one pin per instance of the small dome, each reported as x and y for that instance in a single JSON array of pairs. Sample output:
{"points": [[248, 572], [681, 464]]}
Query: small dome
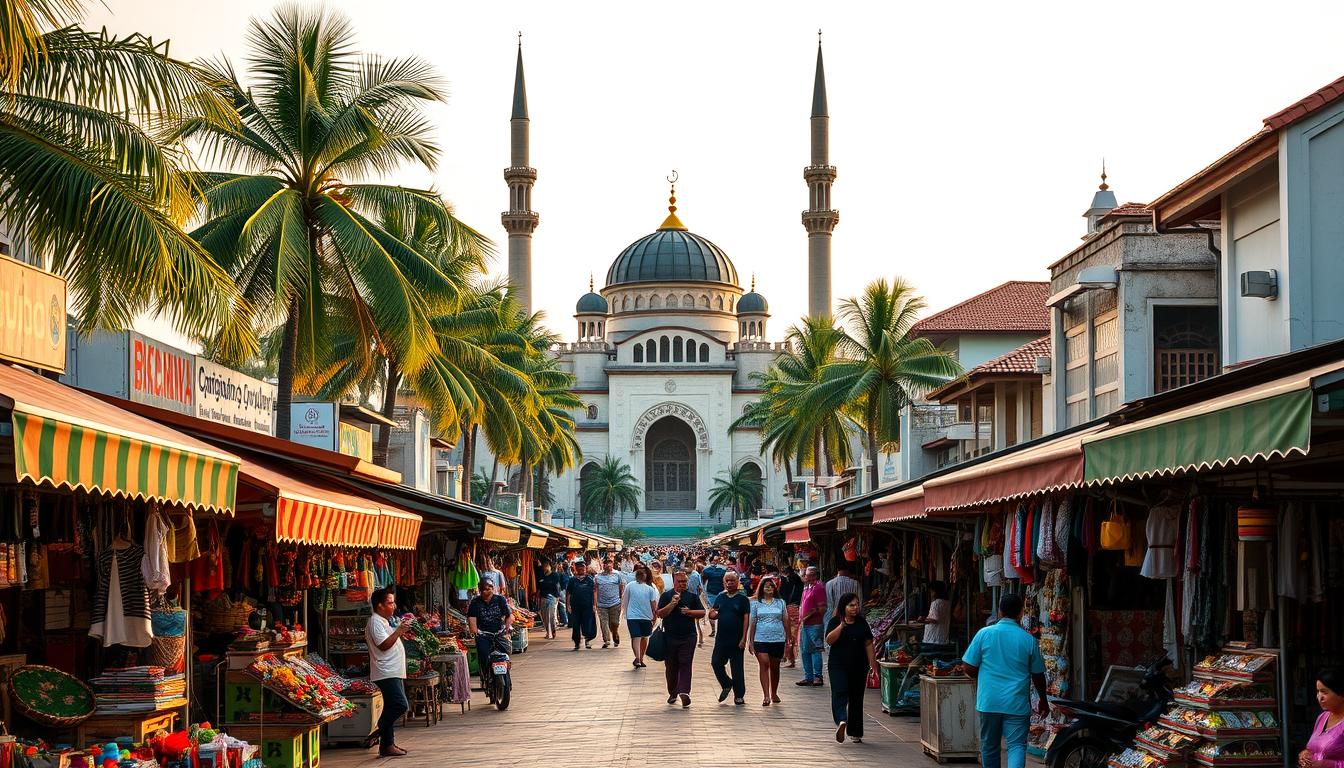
{"points": [[752, 303], [591, 304]]}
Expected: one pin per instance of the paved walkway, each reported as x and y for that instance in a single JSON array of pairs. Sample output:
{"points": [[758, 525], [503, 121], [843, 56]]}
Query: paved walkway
{"points": [[593, 709]]}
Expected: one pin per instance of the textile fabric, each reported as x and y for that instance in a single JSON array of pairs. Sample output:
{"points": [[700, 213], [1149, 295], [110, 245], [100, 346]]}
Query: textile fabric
{"points": [[812, 641]]}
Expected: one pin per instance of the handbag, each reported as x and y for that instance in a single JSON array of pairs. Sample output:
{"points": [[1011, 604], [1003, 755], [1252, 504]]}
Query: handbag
{"points": [[1115, 530], [874, 680], [657, 649]]}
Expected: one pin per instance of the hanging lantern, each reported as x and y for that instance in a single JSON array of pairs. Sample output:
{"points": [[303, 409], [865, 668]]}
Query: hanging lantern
{"points": [[1256, 522]]}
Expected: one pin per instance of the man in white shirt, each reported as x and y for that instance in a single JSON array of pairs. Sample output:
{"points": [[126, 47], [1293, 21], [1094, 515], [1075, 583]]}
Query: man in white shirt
{"points": [[938, 622], [387, 665], [840, 586]]}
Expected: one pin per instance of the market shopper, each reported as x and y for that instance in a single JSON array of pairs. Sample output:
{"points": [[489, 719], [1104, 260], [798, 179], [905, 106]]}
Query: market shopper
{"points": [[732, 610], [679, 610], [487, 612], [791, 589], [609, 589], [713, 578], [581, 604], [1005, 661], [938, 621], [768, 635], [812, 616], [549, 587], [639, 602], [387, 665], [841, 584], [696, 586], [1325, 748], [852, 659]]}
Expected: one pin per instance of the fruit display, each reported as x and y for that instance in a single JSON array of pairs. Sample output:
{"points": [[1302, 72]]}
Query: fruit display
{"points": [[299, 686], [523, 618]]}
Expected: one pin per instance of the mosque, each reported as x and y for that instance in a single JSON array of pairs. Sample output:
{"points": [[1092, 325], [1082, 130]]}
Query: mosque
{"points": [[663, 353]]}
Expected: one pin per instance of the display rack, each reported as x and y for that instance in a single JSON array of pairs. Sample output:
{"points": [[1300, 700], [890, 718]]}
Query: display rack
{"points": [[1226, 717]]}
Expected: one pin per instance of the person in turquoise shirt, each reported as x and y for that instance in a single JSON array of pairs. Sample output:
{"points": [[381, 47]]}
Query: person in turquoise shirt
{"points": [[1004, 660]]}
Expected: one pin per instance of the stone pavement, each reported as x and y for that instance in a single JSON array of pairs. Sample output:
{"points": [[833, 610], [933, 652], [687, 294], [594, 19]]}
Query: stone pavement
{"points": [[593, 709]]}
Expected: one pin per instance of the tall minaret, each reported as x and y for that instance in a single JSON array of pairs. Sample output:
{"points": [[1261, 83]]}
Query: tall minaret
{"points": [[520, 220], [820, 218]]}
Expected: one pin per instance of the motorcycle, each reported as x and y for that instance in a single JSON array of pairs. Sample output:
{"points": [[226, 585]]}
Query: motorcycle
{"points": [[496, 680], [1098, 729]]}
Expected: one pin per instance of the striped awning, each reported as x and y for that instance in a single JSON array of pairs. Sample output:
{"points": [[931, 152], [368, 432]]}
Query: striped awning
{"points": [[67, 439], [903, 505], [1270, 420], [797, 532], [325, 522], [501, 533], [397, 529]]}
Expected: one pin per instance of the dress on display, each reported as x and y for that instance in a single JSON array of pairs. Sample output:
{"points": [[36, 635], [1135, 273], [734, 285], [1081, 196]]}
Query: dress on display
{"points": [[1160, 561]]}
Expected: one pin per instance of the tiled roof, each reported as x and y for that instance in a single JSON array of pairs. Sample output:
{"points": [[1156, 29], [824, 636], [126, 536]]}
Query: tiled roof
{"points": [[1020, 360], [1128, 209], [1292, 113], [1017, 306]]}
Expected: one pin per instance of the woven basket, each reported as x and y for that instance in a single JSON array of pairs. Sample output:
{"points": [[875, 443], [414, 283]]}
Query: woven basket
{"points": [[28, 709], [167, 652], [224, 615]]}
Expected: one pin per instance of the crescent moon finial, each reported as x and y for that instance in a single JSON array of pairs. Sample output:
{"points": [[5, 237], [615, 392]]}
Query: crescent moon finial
{"points": [[672, 179]]}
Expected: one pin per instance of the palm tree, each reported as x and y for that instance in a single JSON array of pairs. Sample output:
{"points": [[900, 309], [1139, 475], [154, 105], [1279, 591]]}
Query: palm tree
{"points": [[88, 177], [882, 368], [740, 492], [610, 488], [297, 224]]}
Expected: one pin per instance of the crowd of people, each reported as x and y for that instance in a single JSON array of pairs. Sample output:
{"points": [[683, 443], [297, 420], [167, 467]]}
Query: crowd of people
{"points": [[743, 606]]}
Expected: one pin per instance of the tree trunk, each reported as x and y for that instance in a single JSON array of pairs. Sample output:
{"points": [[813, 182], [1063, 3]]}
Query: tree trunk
{"points": [[826, 451], [468, 459], [284, 386], [872, 443], [390, 388], [788, 476], [494, 473]]}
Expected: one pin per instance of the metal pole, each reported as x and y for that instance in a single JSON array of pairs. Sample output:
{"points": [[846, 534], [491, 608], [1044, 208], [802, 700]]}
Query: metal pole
{"points": [[189, 643], [1283, 685], [905, 573]]}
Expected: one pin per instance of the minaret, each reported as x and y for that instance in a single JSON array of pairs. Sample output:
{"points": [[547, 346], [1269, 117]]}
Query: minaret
{"points": [[520, 220], [820, 218]]}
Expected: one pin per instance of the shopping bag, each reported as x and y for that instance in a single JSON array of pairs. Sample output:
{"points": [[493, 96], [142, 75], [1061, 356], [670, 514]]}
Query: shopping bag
{"points": [[657, 649], [874, 679], [1115, 530]]}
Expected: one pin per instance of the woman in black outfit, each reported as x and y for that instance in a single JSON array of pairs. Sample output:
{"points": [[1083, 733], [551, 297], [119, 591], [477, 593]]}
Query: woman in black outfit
{"points": [[852, 657]]}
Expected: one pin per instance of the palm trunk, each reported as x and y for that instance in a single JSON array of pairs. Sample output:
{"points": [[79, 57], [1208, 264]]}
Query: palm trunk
{"points": [[826, 451], [788, 475], [389, 407], [494, 473], [284, 387], [872, 443], [468, 459], [525, 480]]}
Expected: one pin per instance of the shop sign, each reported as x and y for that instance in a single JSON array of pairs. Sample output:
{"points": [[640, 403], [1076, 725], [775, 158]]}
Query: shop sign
{"points": [[226, 396], [161, 375], [842, 523], [32, 316], [313, 424], [356, 442]]}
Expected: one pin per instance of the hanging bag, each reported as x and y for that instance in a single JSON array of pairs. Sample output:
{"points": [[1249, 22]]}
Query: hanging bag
{"points": [[1115, 530]]}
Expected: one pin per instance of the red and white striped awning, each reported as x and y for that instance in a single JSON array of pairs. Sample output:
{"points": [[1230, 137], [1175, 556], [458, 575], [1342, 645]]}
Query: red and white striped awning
{"points": [[397, 529]]}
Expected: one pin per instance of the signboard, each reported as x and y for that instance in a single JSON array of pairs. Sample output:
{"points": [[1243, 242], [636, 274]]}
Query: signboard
{"points": [[226, 396], [356, 442], [32, 316], [313, 424], [161, 375]]}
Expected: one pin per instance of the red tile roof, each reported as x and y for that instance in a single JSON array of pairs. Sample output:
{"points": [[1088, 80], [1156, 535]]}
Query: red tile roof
{"points": [[1305, 106], [1128, 209], [1019, 361], [1017, 306]]}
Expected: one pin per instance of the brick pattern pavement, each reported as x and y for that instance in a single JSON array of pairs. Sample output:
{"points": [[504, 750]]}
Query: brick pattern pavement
{"points": [[592, 709]]}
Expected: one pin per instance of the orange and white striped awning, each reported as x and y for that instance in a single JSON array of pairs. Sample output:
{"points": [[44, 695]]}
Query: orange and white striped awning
{"points": [[312, 511]]}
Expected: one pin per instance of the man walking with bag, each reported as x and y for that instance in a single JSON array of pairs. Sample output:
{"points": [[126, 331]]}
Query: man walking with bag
{"points": [[1005, 661], [680, 611]]}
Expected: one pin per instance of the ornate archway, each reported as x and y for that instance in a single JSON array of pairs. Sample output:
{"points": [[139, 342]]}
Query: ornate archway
{"points": [[669, 465], [679, 410]]}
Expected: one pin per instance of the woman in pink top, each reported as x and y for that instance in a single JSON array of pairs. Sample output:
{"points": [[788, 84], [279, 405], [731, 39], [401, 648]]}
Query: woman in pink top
{"points": [[1326, 747]]}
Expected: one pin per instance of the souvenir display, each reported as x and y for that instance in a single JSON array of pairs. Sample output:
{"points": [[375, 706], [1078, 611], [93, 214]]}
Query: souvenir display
{"points": [[299, 686]]}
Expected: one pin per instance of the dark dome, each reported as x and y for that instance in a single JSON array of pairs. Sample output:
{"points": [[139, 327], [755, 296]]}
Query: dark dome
{"points": [[591, 303], [752, 303], [672, 255]]}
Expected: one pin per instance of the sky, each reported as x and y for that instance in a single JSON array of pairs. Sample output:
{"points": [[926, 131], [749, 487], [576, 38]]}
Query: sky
{"points": [[968, 136]]}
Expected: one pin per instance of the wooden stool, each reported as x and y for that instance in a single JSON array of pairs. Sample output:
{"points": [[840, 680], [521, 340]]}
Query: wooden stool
{"points": [[422, 692]]}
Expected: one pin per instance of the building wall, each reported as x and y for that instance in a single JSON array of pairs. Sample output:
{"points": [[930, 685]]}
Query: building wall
{"points": [[1252, 240], [1311, 183], [972, 349]]}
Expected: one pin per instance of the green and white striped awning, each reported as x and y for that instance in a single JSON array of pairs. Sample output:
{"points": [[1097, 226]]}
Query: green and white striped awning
{"points": [[1267, 421]]}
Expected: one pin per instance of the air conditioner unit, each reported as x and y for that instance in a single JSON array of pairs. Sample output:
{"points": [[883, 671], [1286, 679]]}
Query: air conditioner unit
{"points": [[1260, 284]]}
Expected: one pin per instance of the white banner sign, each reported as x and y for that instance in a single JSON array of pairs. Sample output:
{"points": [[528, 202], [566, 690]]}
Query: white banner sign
{"points": [[229, 397]]}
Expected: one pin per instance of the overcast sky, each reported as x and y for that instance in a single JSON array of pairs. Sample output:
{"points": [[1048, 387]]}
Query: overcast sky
{"points": [[968, 136]]}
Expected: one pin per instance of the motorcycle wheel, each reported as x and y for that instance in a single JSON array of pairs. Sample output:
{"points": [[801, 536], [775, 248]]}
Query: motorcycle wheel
{"points": [[503, 687], [1084, 753]]}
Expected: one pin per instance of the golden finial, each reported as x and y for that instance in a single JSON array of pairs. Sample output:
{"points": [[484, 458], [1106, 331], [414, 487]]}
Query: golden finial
{"points": [[753, 282], [590, 282], [1104, 186], [520, 38], [818, 36], [672, 222]]}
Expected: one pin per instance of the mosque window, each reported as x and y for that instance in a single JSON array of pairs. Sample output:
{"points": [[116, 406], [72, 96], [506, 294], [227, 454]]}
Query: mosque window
{"points": [[592, 413], [639, 353], [656, 302], [718, 303], [652, 354], [639, 302], [671, 301], [676, 349], [704, 353], [688, 301], [664, 347], [704, 301]]}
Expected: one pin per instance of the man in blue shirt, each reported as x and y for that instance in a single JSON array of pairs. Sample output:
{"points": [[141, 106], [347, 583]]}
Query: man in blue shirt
{"points": [[713, 576], [1004, 660]]}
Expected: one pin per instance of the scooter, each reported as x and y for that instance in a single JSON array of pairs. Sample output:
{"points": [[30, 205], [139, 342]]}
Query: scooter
{"points": [[1099, 729], [496, 680]]}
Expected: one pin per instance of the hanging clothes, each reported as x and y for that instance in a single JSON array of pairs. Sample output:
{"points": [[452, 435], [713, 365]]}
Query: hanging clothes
{"points": [[1289, 556], [1063, 528], [1009, 541], [121, 604], [1047, 550], [1160, 561], [182, 546], [1190, 568], [154, 565]]}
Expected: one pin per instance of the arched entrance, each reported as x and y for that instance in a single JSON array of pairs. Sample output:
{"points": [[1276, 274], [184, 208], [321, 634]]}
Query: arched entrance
{"points": [[585, 475], [669, 465]]}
